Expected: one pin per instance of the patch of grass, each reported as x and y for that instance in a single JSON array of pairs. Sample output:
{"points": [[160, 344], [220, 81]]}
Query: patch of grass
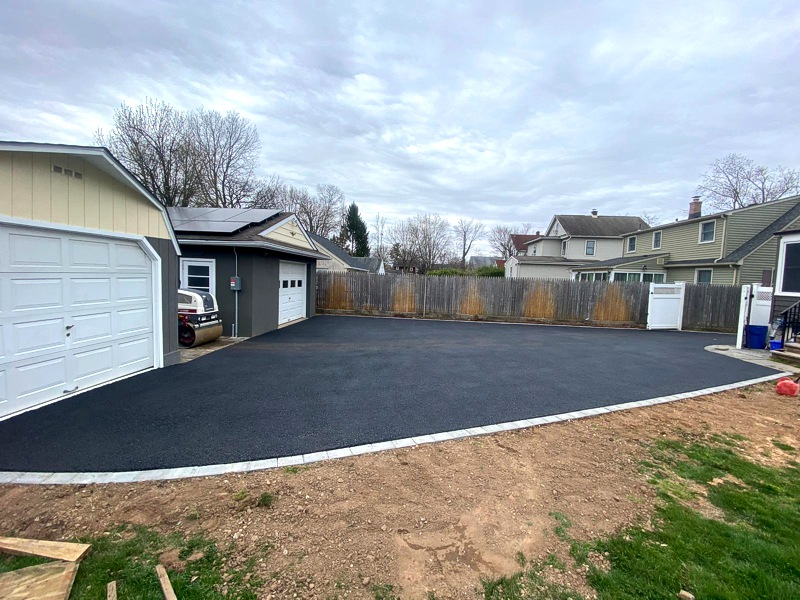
{"points": [[384, 591], [563, 525], [193, 516], [240, 495], [294, 470], [553, 561], [265, 500], [130, 560], [520, 558], [783, 446], [753, 553], [527, 585]]}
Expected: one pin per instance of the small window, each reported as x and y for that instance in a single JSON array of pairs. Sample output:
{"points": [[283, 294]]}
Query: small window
{"points": [[590, 247], [68, 172], [564, 248], [791, 269], [620, 277], [285, 283], [653, 277], [707, 230], [703, 275], [632, 244], [656, 240], [534, 250], [57, 169], [299, 283], [294, 283]]}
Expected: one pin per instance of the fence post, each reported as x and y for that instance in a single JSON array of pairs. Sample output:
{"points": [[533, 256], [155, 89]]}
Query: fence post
{"points": [[682, 285], [424, 294], [745, 297]]}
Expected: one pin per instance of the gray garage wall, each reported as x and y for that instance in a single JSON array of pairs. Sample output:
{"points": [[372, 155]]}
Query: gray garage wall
{"points": [[258, 298], [170, 280]]}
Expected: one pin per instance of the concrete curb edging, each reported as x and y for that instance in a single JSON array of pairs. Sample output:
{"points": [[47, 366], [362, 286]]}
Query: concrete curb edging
{"points": [[11, 477]]}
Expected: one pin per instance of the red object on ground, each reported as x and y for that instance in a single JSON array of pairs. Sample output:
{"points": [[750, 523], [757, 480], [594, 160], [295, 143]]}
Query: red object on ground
{"points": [[787, 387]]}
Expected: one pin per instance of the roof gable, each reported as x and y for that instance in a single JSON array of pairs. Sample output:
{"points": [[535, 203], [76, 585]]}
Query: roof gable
{"points": [[332, 249]]}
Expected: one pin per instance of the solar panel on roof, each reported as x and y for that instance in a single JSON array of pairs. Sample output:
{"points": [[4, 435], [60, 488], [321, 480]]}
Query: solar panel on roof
{"points": [[209, 227], [254, 215]]}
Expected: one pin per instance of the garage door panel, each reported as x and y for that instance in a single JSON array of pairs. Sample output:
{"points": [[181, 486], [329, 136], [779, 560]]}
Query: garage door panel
{"points": [[130, 256], [91, 328], [3, 390], [36, 294], [133, 288], [2, 342], [92, 364], [85, 253], [134, 352], [41, 335], [34, 250], [134, 320], [40, 379], [87, 291]]}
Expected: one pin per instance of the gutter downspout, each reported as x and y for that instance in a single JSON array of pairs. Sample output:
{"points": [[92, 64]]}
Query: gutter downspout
{"points": [[236, 296]]}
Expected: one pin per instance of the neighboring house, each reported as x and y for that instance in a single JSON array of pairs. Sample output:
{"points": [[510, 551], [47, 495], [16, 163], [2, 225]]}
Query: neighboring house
{"points": [[476, 262], [732, 247], [88, 270], [268, 251], [519, 241], [337, 258], [572, 241]]}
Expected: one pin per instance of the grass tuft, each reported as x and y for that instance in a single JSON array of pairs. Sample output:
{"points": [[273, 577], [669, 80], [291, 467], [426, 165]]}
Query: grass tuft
{"points": [[265, 500]]}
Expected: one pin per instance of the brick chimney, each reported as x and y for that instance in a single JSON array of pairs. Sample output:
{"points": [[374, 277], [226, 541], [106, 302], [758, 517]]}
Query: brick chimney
{"points": [[695, 208], [594, 213]]}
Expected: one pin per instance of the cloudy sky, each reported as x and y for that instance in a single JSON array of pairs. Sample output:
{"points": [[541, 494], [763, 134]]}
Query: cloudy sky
{"points": [[502, 111]]}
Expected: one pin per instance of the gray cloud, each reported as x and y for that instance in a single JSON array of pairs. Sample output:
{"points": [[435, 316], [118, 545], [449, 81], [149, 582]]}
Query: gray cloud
{"points": [[502, 111]]}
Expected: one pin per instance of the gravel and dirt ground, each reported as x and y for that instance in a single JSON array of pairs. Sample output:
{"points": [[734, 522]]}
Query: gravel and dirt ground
{"points": [[430, 520]]}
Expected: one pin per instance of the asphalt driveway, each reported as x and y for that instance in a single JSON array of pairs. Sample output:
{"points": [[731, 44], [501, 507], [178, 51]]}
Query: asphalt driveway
{"points": [[332, 382]]}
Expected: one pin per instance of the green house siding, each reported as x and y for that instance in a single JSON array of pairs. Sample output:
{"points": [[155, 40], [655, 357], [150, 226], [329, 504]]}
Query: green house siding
{"points": [[721, 276], [754, 265], [682, 241], [747, 223]]}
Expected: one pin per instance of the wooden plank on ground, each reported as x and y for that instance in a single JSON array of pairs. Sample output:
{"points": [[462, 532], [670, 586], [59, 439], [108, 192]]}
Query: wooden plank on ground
{"points": [[58, 550], [50, 581], [166, 586], [111, 591]]}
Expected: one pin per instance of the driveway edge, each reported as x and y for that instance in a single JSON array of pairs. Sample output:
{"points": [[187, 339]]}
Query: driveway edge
{"points": [[13, 477]]}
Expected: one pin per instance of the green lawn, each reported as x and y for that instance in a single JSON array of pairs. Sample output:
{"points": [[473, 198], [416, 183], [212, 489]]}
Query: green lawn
{"points": [[752, 552], [129, 556]]}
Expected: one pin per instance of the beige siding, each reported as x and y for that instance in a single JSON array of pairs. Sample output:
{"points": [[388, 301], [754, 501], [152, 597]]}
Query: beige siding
{"points": [[747, 223], [290, 233], [30, 190], [545, 248], [332, 263], [543, 271], [604, 249]]}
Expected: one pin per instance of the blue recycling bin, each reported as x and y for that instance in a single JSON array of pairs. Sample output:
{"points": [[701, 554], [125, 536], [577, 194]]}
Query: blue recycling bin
{"points": [[757, 336]]}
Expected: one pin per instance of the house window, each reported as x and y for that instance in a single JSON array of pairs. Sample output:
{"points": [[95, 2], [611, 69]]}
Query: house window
{"points": [[791, 269], [656, 240], [627, 276], [590, 244], [564, 248], [703, 275], [595, 276], [707, 231], [533, 252], [632, 244], [653, 277], [199, 274]]}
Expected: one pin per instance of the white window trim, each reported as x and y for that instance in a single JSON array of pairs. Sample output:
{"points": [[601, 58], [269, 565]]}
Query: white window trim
{"points": [[212, 272], [700, 233], [660, 239], [628, 244], [793, 238], [586, 248], [697, 271]]}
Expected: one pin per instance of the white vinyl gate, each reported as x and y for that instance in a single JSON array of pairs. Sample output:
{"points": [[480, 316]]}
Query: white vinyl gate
{"points": [[665, 306], [755, 309]]}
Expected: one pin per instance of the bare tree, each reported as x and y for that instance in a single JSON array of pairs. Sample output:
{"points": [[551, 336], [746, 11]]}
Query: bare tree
{"points": [[321, 213], [736, 181], [467, 232], [402, 251], [651, 219], [500, 240], [155, 142], [431, 240], [269, 193], [227, 149], [380, 247]]}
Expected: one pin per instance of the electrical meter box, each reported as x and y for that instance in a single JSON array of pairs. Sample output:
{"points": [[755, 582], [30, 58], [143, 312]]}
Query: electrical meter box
{"points": [[236, 284]]}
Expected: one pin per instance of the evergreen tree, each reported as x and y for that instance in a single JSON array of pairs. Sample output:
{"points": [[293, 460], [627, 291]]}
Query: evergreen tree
{"points": [[354, 236]]}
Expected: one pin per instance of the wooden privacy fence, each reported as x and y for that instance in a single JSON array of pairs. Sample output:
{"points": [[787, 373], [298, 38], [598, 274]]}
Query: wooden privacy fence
{"points": [[539, 300]]}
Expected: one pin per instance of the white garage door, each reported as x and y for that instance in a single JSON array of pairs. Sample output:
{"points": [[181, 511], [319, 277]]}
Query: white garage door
{"points": [[75, 311], [292, 299]]}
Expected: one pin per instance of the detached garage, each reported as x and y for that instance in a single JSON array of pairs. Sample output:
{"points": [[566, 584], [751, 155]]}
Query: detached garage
{"points": [[88, 273], [266, 254]]}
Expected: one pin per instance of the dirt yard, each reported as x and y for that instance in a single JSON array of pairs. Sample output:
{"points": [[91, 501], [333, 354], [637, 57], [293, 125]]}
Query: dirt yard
{"points": [[434, 518]]}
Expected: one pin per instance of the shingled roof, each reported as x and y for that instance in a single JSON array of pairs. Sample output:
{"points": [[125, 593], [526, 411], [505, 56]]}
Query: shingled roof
{"points": [[520, 240], [600, 226]]}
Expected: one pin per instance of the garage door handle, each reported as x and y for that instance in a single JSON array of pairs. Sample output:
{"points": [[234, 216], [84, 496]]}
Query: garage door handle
{"points": [[75, 389], [68, 327]]}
